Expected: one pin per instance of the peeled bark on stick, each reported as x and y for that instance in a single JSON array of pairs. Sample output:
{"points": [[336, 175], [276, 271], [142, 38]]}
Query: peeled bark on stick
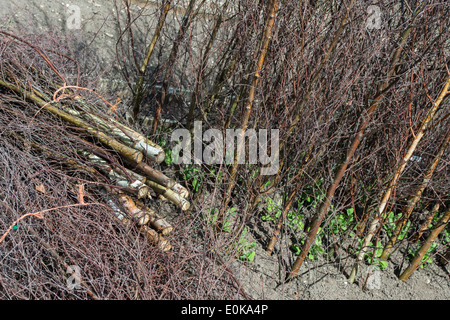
{"points": [[126, 152], [140, 214], [149, 233], [409, 152], [122, 133], [142, 167], [152, 235], [156, 221], [170, 195], [161, 225], [156, 179], [182, 191], [417, 260], [156, 238], [137, 182], [131, 155], [136, 214], [110, 126], [118, 212], [412, 201], [151, 149], [155, 175]]}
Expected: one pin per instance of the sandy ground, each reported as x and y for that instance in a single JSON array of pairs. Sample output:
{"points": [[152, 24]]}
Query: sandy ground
{"points": [[261, 278], [323, 280]]}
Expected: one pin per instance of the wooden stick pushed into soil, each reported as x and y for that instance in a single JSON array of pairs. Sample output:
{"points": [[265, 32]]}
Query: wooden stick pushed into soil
{"points": [[417, 260]]}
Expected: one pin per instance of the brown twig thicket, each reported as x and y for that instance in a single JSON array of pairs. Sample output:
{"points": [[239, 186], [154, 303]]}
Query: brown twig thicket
{"points": [[359, 96], [73, 211]]}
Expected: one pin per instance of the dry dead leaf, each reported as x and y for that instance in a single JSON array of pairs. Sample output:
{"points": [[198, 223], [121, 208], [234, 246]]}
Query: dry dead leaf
{"points": [[40, 187]]}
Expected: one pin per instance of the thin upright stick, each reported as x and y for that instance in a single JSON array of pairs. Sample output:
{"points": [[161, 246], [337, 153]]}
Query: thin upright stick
{"points": [[408, 154], [417, 260]]}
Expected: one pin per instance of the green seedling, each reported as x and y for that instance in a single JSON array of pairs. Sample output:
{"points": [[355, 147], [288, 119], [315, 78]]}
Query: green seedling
{"points": [[296, 249], [390, 225], [245, 252], [373, 257], [227, 223], [244, 248], [427, 259], [315, 249], [167, 151], [446, 238], [168, 158], [274, 210], [194, 177], [214, 215], [294, 221], [341, 222], [313, 195], [213, 174]]}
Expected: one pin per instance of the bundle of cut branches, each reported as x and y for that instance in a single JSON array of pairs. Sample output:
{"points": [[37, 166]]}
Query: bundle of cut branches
{"points": [[123, 156]]}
